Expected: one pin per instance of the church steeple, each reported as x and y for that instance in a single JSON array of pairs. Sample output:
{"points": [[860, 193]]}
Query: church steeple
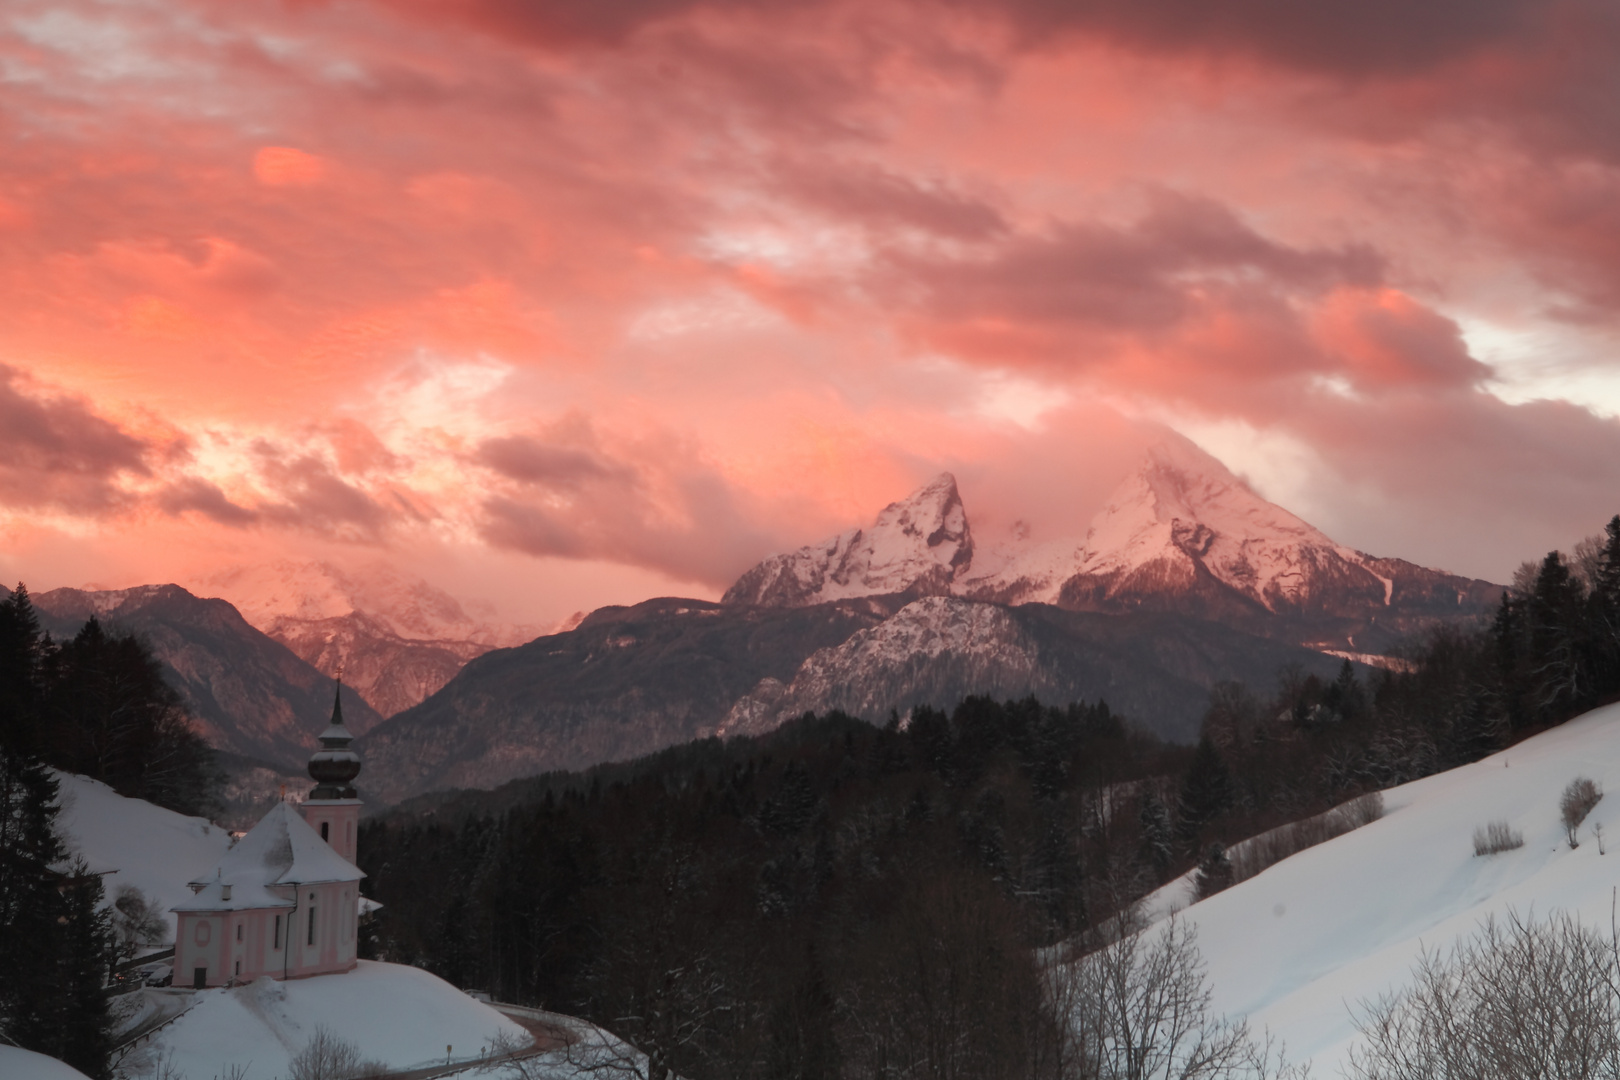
{"points": [[334, 766]]}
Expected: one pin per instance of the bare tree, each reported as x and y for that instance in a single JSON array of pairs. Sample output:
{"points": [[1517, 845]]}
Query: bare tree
{"points": [[1139, 1009], [137, 922], [1580, 796], [1519, 999], [328, 1057]]}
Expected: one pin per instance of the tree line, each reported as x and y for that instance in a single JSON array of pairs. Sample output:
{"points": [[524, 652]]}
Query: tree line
{"points": [[97, 705], [843, 899]]}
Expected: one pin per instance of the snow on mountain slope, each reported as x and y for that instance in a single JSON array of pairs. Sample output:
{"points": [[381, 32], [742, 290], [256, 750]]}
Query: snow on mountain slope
{"points": [[1180, 521], [919, 545], [395, 638], [152, 849], [18, 1064], [876, 669], [407, 607], [400, 1016], [1298, 946]]}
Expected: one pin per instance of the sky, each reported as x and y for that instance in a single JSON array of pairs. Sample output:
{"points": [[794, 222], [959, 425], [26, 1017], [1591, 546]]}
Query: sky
{"points": [[563, 304]]}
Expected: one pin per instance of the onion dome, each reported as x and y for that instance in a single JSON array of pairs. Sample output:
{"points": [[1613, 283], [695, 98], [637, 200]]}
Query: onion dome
{"points": [[334, 766]]}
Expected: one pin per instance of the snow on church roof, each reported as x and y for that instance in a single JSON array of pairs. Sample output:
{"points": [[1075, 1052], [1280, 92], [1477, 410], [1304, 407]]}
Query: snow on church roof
{"points": [[281, 849]]}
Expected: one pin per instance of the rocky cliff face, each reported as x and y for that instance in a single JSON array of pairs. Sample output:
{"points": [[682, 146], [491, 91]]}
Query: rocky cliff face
{"points": [[916, 547], [630, 681], [625, 682]]}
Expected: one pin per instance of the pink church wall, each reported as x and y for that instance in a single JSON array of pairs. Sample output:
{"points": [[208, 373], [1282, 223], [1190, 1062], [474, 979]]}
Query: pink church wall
{"points": [[238, 946], [341, 818]]}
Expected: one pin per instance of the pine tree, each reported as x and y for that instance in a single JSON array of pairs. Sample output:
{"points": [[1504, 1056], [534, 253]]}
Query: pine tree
{"points": [[1158, 837], [29, 849], [84, 944], [1558, 661], [1207, 790], [1604, 606], [22, 648]]}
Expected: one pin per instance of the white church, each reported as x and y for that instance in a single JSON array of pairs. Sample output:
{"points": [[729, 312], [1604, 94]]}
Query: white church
{"points": [[285, 901]]}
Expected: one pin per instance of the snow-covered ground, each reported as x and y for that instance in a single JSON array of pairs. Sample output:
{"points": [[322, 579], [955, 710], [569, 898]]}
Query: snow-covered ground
{"points": [[155, 850], [1300, 946], [400, 1016], [18, 1064]]}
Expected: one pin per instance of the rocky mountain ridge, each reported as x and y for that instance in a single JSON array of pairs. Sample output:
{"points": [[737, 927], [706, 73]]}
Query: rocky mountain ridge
{"points": [[394, 638], [1181, 533], [918, 546], [250, 696]]}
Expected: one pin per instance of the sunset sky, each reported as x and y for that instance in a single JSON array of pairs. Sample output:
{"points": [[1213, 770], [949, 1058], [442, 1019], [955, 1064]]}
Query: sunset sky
{"points": [[560, 304]]}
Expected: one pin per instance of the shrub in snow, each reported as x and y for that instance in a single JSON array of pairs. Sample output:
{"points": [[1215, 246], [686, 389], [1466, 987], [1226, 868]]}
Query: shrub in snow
{"points": [[1518, 1000], [1579, 797], [1273, 846], [1495, 837], [328, 1057]]}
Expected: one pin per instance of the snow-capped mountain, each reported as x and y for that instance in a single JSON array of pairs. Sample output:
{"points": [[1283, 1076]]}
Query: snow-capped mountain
{"points": [[1181, 533], [396, 639], [918, 546], [1182, 526]]}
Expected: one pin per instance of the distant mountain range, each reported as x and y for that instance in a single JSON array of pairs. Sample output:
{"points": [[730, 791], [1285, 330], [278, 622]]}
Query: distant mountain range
{"points": [[395, 638], [1182, 534], [1186, 578]]}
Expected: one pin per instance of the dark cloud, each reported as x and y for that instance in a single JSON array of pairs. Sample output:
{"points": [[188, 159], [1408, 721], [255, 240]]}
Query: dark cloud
{"points": [[200, 496], [877, 197], [313, 498], [660, 508], [520, 457], [56, 452], [1369, 37], [1145, 278], [1364, 38]]}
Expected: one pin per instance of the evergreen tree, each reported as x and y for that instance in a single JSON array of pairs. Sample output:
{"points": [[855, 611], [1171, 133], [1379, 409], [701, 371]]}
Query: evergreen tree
{"points": [[114, 718], [1158, 836], [1207, 790], [29, 901], [22, 648], [73, 993], [1558, 658], [1604, 604]]}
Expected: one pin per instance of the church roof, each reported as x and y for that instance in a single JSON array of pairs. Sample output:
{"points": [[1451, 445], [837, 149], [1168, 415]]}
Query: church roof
{"points": [[280, 850]]}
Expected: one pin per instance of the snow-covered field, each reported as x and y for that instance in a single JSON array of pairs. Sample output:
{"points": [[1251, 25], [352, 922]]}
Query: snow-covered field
{"points": [[155, 850], [18, 1064], [1300, 946], [400, 1016]]}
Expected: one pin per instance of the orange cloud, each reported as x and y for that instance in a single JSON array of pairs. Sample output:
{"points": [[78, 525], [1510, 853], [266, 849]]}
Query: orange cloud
{"points": [[286, 166]]}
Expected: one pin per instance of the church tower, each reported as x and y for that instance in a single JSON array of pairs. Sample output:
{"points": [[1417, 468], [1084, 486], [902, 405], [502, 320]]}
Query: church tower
{"points": [[333, 808]]}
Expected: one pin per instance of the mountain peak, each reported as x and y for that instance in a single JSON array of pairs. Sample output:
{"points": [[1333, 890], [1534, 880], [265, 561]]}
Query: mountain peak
{"points": [[919, 545]]}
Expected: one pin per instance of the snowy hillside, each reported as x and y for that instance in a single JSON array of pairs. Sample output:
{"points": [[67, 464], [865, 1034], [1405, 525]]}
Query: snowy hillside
{"points": [[152, 849], [1298, 946], [399, 1016], [18, 1064]]}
